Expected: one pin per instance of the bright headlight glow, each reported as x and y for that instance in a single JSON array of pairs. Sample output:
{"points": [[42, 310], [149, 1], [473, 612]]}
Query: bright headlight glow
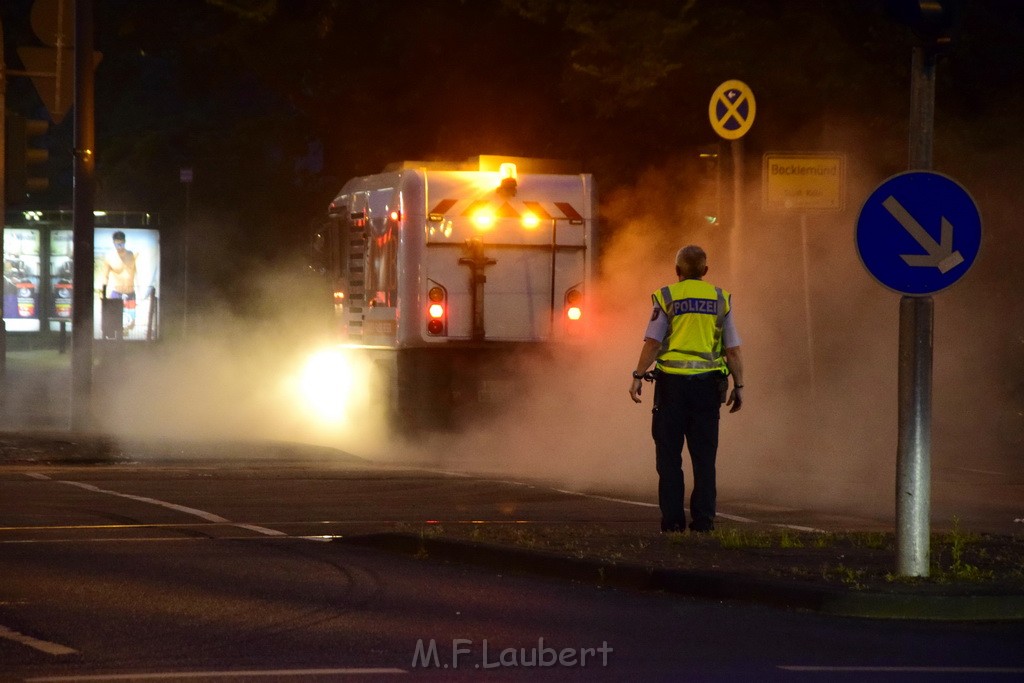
{"points": [[326, 384]]}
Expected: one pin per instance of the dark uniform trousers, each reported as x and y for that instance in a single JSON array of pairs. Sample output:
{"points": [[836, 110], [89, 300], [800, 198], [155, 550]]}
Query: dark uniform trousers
{"points": [[686, 411]]}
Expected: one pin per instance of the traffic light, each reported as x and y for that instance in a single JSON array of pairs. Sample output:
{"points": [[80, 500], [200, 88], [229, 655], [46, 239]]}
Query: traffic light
{"points": [[933, 22], [25, 161]]}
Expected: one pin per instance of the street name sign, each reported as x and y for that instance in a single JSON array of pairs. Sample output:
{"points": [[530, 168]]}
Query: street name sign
{"points": [[804, 181], [732, 109], [918, 232]]}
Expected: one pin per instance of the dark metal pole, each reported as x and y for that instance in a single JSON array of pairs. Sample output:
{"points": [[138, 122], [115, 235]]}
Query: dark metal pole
{"points": [[3, 181], [922, 108], [913, 457], [808, 318], [84, 238], [737, 208]]}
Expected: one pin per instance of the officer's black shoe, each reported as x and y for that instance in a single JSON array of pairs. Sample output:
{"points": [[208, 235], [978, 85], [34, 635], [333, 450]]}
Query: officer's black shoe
{"points": [[702, 527], [673, 528]]}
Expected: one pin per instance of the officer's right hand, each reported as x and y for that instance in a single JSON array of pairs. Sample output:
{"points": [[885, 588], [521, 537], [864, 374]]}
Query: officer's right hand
{"points": [[735, 399]]}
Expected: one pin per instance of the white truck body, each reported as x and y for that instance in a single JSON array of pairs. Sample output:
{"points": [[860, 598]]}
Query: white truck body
{"points": [[505, 249]]}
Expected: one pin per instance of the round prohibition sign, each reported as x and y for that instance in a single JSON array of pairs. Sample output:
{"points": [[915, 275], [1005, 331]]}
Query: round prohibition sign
{"points": [[732, 109]]}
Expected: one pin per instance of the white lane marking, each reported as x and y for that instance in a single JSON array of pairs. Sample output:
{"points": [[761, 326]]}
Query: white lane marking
{"points": [[192, 675], [272, 532], [608, 498], [974, 471], [261, 529], [208, 516], [36, 475], [203, 514], [734, 518], [906, 669], [146, 539], [34, 643]]}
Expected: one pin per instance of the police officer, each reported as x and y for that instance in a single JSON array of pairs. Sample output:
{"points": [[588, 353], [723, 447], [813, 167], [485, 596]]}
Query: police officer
{"points": [[694, 341]]}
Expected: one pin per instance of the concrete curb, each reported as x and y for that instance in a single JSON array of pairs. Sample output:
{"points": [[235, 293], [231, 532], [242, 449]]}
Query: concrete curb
{"points": [[977, 606]]}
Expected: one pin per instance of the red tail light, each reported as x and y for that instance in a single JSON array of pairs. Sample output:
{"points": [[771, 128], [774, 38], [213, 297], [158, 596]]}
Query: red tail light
{"points": [[437, 311]]}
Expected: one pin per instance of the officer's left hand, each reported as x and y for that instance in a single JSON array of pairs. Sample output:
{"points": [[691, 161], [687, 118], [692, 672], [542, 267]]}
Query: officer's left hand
{"points": [[735, 399], [634, 390]]}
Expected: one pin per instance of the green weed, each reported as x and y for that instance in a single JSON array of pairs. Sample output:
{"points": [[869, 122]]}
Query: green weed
{"points": [[957, 542], [788, 540], [824, 541], [848, 576]]}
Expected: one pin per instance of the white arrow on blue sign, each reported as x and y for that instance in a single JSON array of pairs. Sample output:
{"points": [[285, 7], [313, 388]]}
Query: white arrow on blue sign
{"points": [[918, 232]]}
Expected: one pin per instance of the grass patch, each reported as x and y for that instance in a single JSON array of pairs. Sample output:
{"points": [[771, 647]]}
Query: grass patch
{"points": [[788, 540], [848, 576], [731, 537], [959, 546], [852, 558]]}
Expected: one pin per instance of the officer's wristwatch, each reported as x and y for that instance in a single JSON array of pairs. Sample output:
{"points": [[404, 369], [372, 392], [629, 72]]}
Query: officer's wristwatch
{"points": [[637, 375]]}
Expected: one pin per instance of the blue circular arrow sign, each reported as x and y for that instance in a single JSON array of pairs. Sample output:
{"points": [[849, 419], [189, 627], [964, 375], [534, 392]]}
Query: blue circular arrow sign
{"points": [[918, 232]]}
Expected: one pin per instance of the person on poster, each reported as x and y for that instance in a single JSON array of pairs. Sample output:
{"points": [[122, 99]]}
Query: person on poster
{"points": [[10, 288], [118, 278]]}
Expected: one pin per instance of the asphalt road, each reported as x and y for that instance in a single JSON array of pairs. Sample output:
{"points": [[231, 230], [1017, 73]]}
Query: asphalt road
{"points": [[218, 568]]}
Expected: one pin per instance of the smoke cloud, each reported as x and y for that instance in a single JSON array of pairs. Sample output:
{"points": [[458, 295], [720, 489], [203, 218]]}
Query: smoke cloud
{"points": [[819, 424], [820, 341]]}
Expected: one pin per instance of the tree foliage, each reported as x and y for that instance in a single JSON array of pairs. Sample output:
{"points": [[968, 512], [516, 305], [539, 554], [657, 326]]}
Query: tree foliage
{"points": [[626, 49], [275, 104]]}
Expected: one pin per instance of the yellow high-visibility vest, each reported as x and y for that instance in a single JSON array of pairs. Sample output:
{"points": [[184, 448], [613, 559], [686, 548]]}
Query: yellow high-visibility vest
{"points": [[696, 311]]}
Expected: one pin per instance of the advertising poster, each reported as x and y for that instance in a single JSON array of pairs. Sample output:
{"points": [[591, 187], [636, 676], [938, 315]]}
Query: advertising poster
{"points": [[61, 272], [126, 274], [21, 279]]}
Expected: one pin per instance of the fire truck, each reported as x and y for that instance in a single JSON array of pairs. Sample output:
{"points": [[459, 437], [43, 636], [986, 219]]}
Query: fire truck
{"points": [[447, 274]]}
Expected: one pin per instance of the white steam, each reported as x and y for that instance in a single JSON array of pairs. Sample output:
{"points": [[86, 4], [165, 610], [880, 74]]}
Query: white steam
{"points": [[830, 444]]}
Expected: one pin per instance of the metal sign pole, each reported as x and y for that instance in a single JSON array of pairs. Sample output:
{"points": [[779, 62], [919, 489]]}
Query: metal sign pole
{"points": [[3, 190], [913, 456], [737, 208], [808, 320], [84, 221]]}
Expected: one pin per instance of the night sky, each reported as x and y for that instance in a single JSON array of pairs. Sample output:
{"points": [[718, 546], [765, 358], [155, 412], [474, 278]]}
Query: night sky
{"points": [[275, 104]]}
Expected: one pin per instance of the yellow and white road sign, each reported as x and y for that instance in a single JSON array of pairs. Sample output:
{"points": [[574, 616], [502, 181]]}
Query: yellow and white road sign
{"points": [[802, 181], [732, 109]]}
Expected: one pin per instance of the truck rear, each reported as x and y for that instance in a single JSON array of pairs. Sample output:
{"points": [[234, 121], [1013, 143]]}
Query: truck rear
{"points": [[446, 275]]}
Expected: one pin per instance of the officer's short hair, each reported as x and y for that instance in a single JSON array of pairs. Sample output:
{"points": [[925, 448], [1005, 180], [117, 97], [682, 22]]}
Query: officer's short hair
{"points": [[691, 259]]}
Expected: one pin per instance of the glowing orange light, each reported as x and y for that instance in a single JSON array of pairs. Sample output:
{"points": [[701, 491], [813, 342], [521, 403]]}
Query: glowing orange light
{"points": [[574, 313], [436, 311], [395, 215], [508, 170], [530, 220], [484, 218]]}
